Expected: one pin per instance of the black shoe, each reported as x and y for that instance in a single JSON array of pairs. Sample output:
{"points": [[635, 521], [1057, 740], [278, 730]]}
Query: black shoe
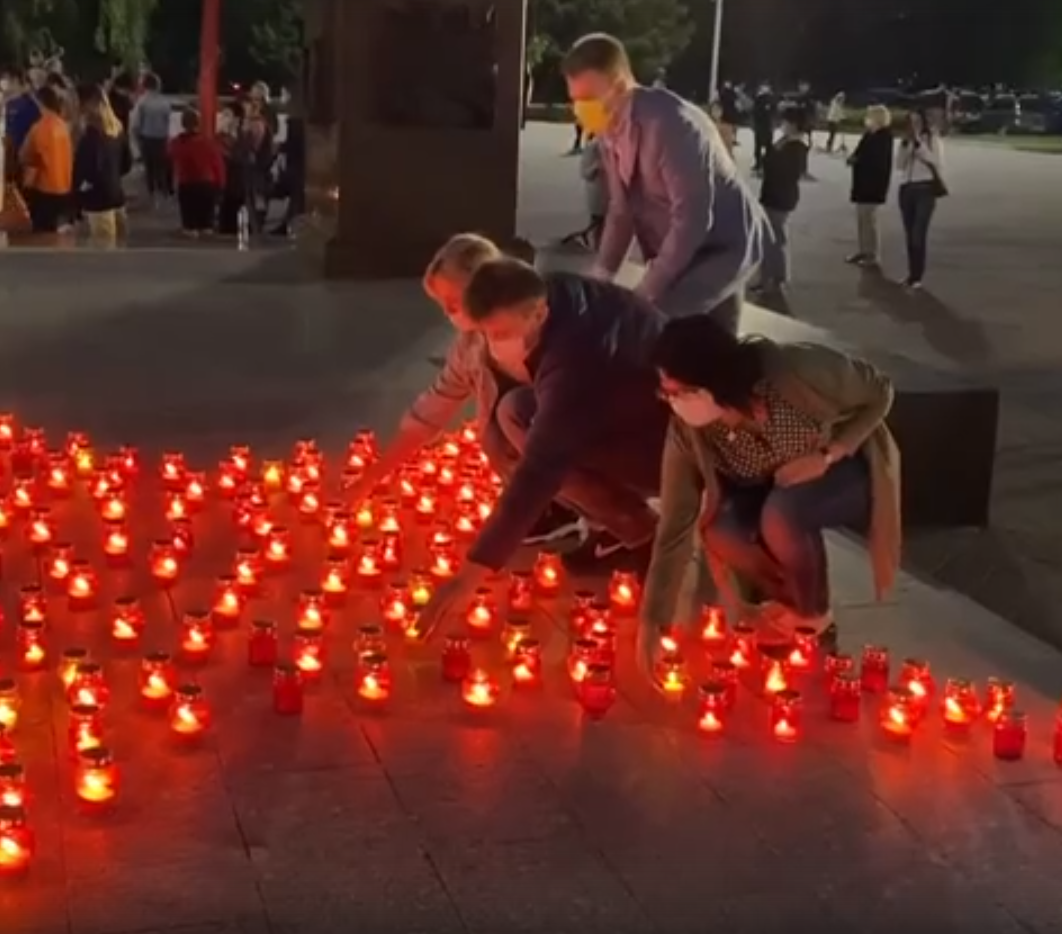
{"points": [[556, 523], [601, 553]]}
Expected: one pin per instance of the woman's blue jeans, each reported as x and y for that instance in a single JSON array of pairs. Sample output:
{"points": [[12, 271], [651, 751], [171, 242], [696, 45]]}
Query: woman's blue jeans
{"points": [[771, 536]]}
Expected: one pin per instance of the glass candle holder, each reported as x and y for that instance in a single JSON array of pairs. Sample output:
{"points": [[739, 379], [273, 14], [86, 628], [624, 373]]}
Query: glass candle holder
{"points": [[999, 698], [426, 507], [446, 479], [127, 462], [527, 663], [309, 503], [724, 673], [363, 448], [32, 604], [116, 544], [164, 562], [713, 628], [10, 703], [456, 658], [787, 716], [899, 714], [479, 689], [596, 691], [182, 537], [40, 530], [172, 470], [1009, 736], [834, 664], [311, 610], [228, 603], [89, 686], [127, 622], [603, 633], [339, 532], [8, 431], [521, 597], [277, 550], [113, 508], [82, 586], [671, 674], [421, 588], [157, 680], [8, 753], [623, 593], [374, 677], [196, 638], [12, 785], [17, 842], [189, 712], [368, 565], [262, 644], [408, 485], [389, 518], [59, 478], [195, 492], [228, 480], [60, 562], [803, 656], [335, 578], [175, 507], [548, 573], [916, 677], [308, 653], [69, 662], [743, 652], [776, 676], [365, 516], [288, 690], [371, 640], [579, 614], [581, 655], [396, 604], [466, 521], [1056, 742], [273, 476], [240, 459], [391, 551], [248, 570], [515, 631], [713, 705], [846, 698], [85, 728], [961, 706], [874, 669], [30, 651], [482, 614], [96, 778]]}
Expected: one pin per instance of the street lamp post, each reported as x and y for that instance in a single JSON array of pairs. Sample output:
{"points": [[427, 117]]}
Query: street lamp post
{"points": [[717, 39], [209, 47]]}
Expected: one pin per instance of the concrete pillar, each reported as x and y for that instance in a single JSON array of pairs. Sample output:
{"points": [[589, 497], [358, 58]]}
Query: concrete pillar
{"points": [[428, 116]]}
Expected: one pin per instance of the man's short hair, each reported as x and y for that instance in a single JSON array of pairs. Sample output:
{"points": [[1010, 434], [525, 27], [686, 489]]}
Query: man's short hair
{"points": [[502, 283], [49, 99], [597, 52]]}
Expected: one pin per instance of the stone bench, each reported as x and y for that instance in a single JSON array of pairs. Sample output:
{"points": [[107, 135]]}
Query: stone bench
{"points": [[944, 423]]}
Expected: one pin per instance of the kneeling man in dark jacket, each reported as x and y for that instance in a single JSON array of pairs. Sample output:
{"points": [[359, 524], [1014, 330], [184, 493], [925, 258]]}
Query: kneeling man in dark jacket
{"points": [[584, 418]]}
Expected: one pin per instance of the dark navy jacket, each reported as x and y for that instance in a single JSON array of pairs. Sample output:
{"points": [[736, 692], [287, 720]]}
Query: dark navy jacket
{"points": [[594, 388]]}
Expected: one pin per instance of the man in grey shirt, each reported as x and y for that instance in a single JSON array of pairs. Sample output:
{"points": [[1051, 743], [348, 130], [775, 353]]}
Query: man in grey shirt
{"points": [[673, 188], [151, 130]]}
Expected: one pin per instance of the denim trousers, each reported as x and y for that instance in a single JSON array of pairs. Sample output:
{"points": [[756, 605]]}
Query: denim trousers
{"points": [[918, 202], [772, 536]]}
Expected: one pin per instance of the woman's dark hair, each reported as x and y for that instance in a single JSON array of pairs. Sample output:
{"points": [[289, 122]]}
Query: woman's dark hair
{"points": [[700, 352], [49, 99]]}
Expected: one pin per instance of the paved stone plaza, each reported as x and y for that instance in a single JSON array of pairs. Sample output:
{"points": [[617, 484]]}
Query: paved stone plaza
{"points": [[426, 818]]}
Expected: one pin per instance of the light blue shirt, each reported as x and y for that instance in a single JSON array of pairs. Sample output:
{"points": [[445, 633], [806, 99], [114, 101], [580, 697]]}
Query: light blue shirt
{"points": [[152, 116]]}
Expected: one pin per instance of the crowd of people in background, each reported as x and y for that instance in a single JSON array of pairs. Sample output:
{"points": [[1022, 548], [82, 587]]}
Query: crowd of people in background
{"points": [[71, 150]]}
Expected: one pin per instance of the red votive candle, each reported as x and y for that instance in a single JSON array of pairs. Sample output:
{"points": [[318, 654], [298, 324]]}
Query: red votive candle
{"points": [[713, 627], [127, 622], [803, 655], [228, 602], [456, 658], [527, 663], [311, 611], [30, 650], [916, 677], [157, 680], [743, 653], [374, 677], [277, 550], [262, 644], [395, 604], [836, 663], [85, 728], [712, 707], [787, 714], [521, 592], [172, 469], [899, 714], [623, 592], [874, 669], [17, 842], [548, 573], [724, 673], [189, 713], [81, 586], [196, 636], [482, 614], [479, 689], [999, 698], [40, 530], [960, 707], [308, 652], [1009, 735], [846, 698], [597, 690], [287, 690], [164, 562], [60, 561], [96, 778]]}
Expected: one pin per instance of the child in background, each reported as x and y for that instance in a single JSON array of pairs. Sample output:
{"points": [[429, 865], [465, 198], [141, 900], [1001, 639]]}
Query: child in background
{"points": [[785, 164], [199, 171]]}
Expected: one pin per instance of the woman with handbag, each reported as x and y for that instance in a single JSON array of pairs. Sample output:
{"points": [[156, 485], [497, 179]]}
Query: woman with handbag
{"points": [[920, 162]]}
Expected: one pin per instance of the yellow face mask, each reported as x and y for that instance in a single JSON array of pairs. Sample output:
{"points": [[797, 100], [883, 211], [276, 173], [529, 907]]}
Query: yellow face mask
{"points": [[591, 116]]}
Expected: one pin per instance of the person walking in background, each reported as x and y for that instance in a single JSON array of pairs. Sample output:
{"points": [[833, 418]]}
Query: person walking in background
{"points": [[729, 115], [920, 162], [871, 165], [47, 162], [199, 172], [784, 166], [98, 168], [151, 129], [764, 112], [834, 119]]}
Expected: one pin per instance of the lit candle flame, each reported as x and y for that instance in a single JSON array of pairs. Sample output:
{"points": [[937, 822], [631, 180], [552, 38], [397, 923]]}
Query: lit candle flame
{"points": [[710, 722], [776, 680]]}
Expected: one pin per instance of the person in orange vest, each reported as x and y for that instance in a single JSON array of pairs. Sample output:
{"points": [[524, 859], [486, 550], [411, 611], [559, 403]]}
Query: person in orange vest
{"points": [[47, 162]]}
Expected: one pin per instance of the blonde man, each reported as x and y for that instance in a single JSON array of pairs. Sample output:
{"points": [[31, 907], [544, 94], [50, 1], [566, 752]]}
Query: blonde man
{"points": [[468, 374]]}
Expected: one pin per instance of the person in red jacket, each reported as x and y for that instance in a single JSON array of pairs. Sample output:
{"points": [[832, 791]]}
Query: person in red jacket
{"points": [[199, 172]]}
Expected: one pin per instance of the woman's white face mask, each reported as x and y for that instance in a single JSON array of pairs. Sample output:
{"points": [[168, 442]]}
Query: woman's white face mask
{"points": [[696, 409]]}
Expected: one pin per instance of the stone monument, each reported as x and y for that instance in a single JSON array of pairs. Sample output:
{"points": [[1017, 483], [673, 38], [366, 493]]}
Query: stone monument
{"points": [[413, 108]]}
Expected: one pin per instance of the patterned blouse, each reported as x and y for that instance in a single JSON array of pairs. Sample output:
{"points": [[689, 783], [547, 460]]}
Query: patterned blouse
{"points": [[751, 453]]}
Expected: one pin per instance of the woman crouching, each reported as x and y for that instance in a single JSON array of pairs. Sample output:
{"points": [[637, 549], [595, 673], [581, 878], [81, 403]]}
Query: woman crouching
{"points": [[770, 444]]}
